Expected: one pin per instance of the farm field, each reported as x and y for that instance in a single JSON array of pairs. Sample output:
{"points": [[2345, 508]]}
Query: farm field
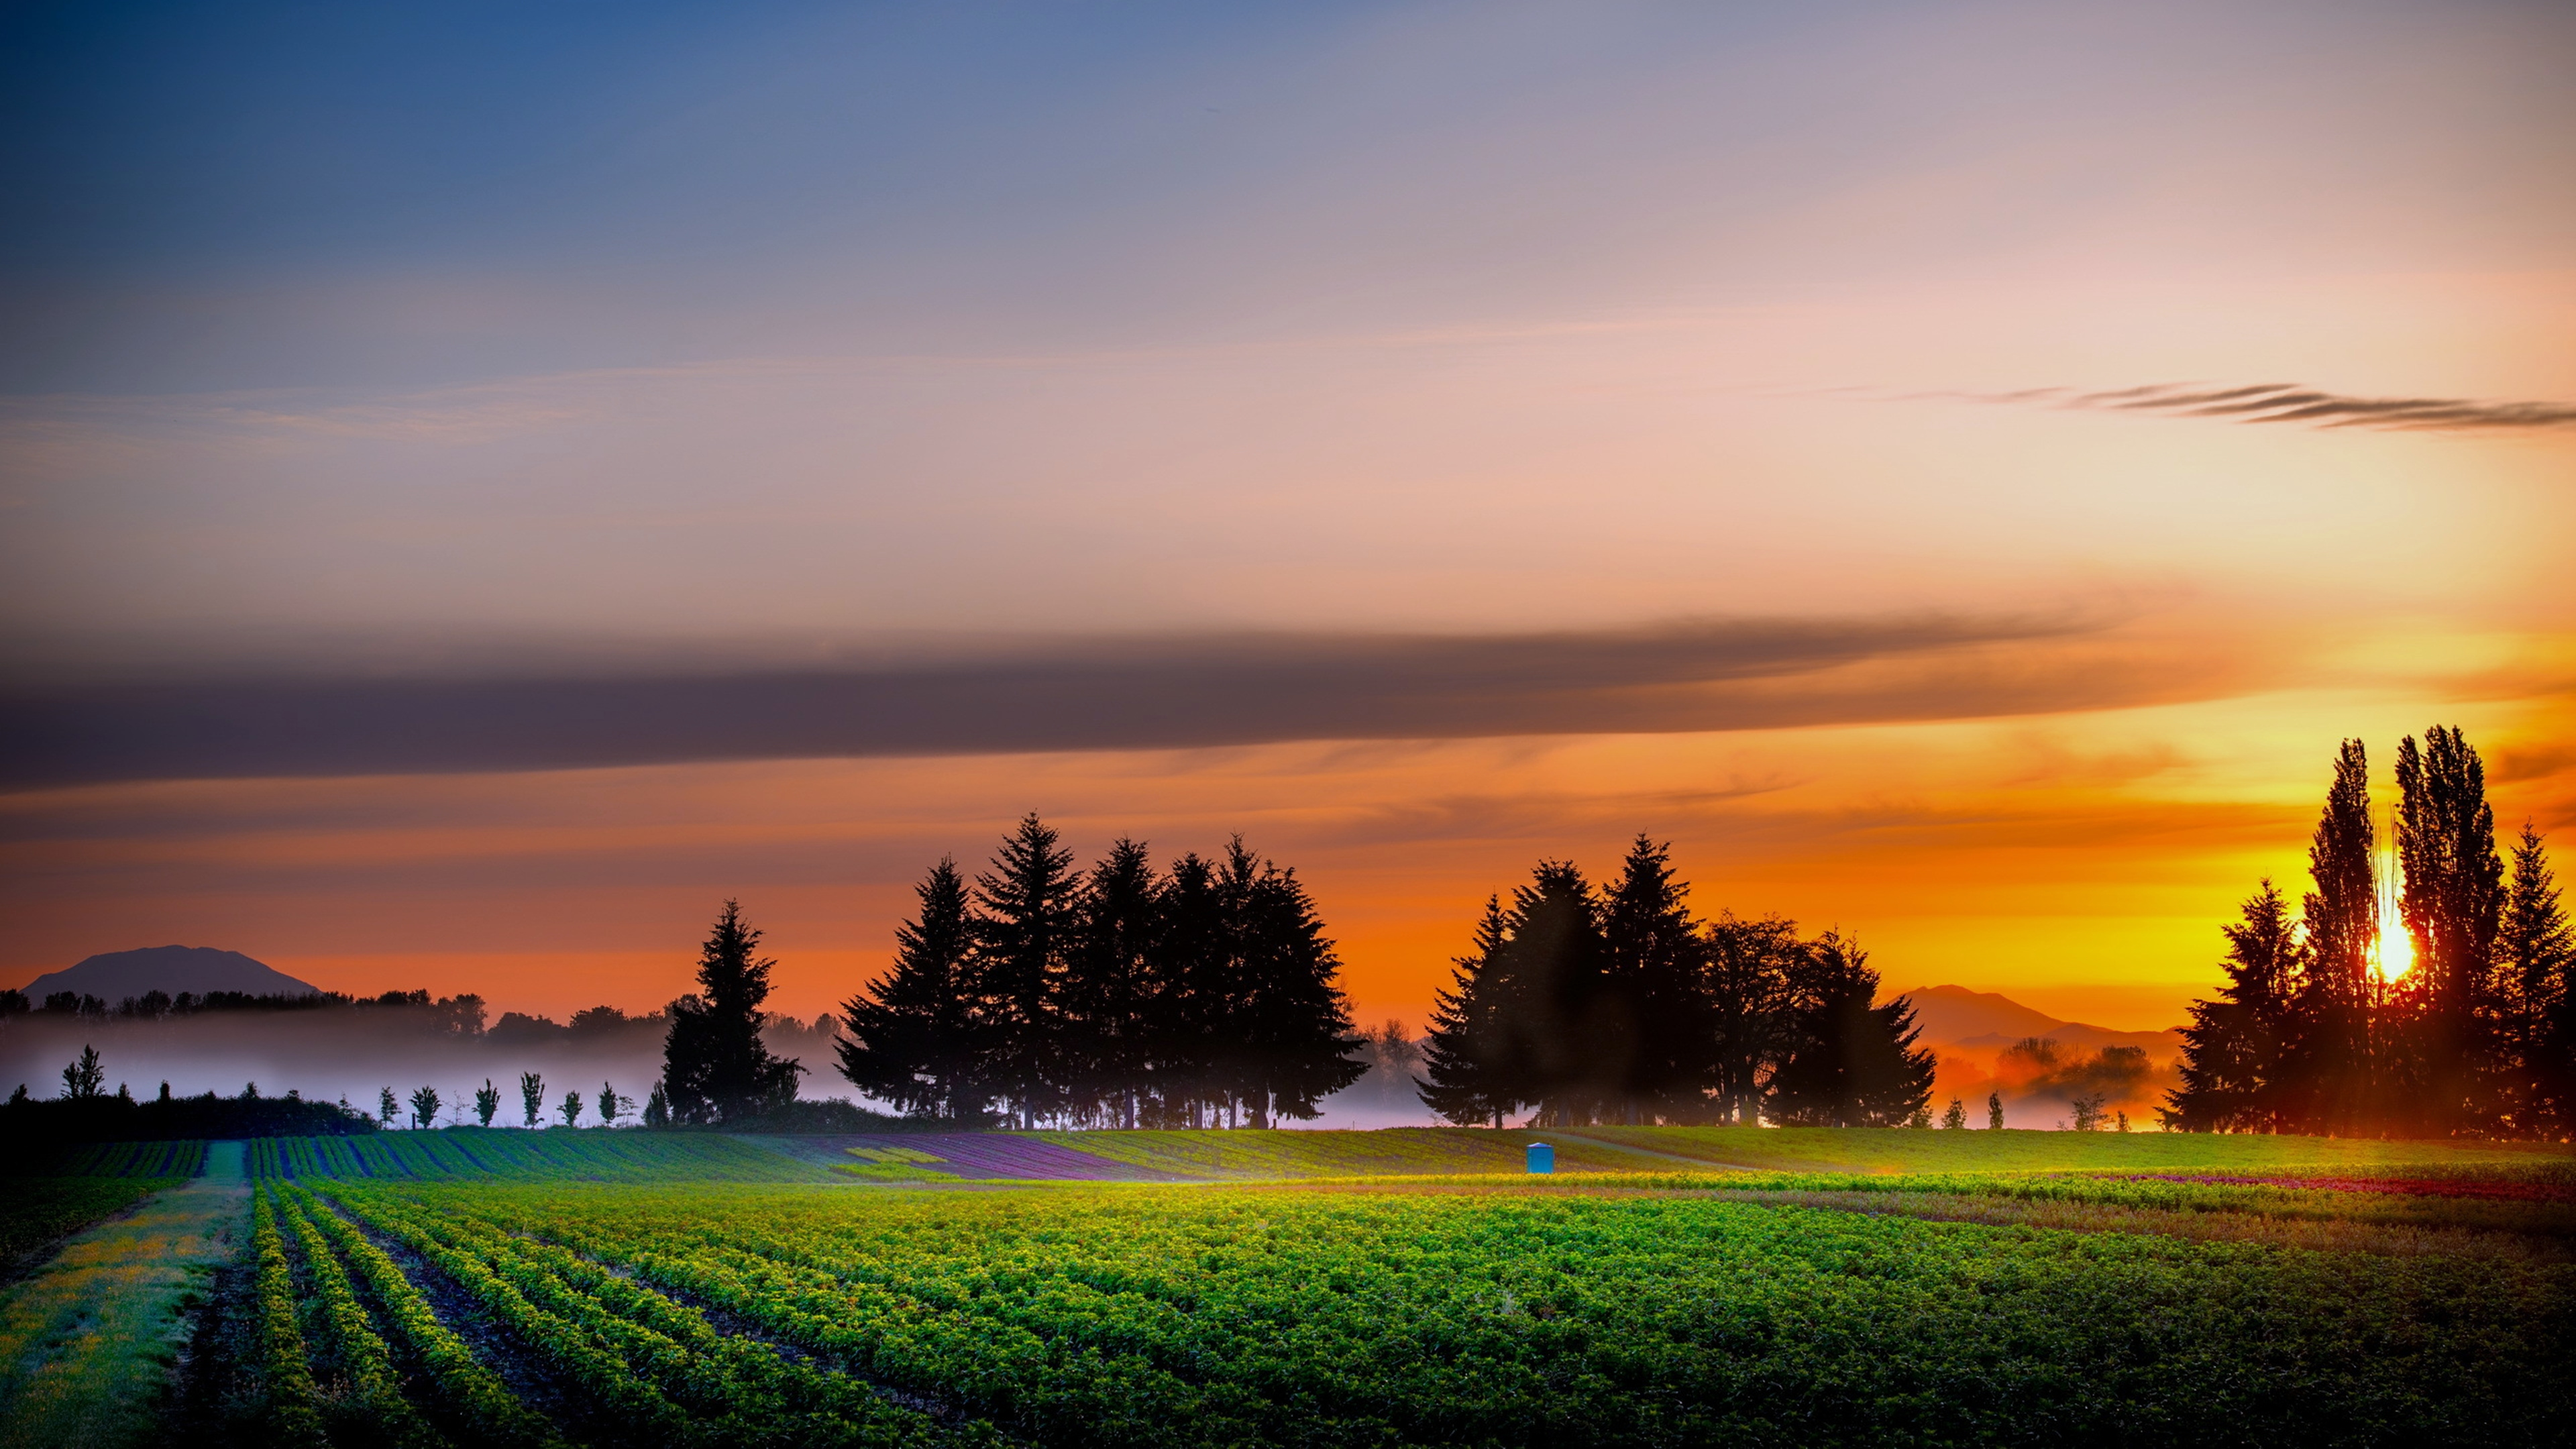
{"points": [[632, 1288]]}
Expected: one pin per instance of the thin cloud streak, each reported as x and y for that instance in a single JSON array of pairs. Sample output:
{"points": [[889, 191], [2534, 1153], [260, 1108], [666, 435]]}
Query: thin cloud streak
{"points": [[1179, 693], [2284, 402]]}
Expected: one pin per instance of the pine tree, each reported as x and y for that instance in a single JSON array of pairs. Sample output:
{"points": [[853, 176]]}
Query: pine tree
{"points": [[2454, 895], [2327, 1083], [1294, 1024], [715, 1067], [1563, 1032], [1468, 1078], [2232, 1051], [914, 1038], [1652, 952], [1191, 1001], [1108, 987], [1850, 1063], [2536, 951], [1030, 903]]}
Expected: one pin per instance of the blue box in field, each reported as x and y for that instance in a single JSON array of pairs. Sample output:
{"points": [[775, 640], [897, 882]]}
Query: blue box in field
{"points": [[1542, 1158]]}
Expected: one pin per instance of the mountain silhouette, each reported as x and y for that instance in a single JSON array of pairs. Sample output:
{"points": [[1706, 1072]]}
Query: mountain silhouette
{"points": [[116, 975], [1986, 1021]]}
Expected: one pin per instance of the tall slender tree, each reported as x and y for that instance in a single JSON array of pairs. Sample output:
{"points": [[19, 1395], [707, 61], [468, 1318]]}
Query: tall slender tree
{"points": [[914, 1038], [1030, 913], [1652, 953], [2232, 1051], [2452, 904], [2537, 953], [2327, 1080], [715, 1067]]}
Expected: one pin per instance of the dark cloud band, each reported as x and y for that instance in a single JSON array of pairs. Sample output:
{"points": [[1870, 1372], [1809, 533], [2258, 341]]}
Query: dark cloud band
{"points": [[1134, 695], [2281, 402]]}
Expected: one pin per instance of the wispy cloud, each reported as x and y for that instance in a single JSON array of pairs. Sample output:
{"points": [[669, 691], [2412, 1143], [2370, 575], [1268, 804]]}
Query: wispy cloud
{"points": [[1100, 695], [2287, 402]]}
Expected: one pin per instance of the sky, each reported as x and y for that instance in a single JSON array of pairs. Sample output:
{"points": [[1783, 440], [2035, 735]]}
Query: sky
{"points": [[480, 485]]}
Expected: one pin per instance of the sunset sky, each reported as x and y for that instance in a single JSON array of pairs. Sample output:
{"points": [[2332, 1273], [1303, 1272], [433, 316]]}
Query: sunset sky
{"points": [[482, 484]]}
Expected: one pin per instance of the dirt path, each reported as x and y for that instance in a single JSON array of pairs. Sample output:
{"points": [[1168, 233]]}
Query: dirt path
{"points": [[87, 1341]]}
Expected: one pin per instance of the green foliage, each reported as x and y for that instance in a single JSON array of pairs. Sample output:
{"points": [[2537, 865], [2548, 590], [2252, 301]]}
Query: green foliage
{"points": [[511, 1155], [285, 1371], [1150, 1316]]}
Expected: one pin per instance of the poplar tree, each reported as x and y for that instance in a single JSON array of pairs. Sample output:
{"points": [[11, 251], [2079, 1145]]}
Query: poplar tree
{"points": [[1029, 919], [914, 1038], [532, 1096], [2454, 897], [2328, 1084], [2233, 1050], [715, 1067]]}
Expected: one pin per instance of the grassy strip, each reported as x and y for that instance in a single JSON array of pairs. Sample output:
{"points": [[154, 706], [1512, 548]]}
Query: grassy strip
{"points": [[36, 1210], [469, 1387], [294, 1417], [355, 1344]]}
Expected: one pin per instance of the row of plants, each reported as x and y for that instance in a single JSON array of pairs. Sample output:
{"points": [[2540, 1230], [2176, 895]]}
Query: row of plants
{"points": [[1268, 1316]]}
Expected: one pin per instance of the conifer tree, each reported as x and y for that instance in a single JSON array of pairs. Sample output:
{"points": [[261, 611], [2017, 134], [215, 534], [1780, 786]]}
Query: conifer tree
{"points": [[1467, 1076], [2233, 1049], [715, 1067], [1652, 952], [915, 1037], [2454, 896], [1293, 1027], [1850, 1063], [1029, 904], [1192, 996], [1565, 1034], [2536, 951], [1109, 986]]}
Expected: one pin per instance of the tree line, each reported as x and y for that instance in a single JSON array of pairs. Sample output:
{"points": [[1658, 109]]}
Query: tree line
{"points": [[1200, 994], [2472, 1032], [1615, 1005]]}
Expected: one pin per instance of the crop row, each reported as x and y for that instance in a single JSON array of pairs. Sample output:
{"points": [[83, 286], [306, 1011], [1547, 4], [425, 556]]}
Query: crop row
{"points": [[293, 1415], [1160, 1317], [507, 1155]]}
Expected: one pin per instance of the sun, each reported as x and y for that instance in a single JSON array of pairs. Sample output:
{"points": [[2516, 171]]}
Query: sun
{"points": [[2396, 953]]}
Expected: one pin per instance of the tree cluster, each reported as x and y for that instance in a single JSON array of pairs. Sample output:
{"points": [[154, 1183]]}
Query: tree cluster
{"points": [[2465, 1028], [1120, 997], [716, 1070], [1615, 1005], [87, 1112], [436, 1016]]}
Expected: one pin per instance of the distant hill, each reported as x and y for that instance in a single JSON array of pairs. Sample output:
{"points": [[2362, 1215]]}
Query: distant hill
{"points": [[1954, 1016], [116, 975]]}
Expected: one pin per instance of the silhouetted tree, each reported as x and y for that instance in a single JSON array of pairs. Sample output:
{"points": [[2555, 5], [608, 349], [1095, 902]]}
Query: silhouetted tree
{"points": [[1109, 989], [2233, 1050], [388, 1106], [1850, 1063], [1028, 903], [532, 1096], [1191, 959], [2536, 952], [715, 1068], [1561, 1035], [1659, 1020], [1469, 1076], [914, 1039], [85, 1078], [1291, 1030], [2327, 1083], [487, 1103], [424, 1107], [1745, 974], [2449, 1005], [571, 1109]]}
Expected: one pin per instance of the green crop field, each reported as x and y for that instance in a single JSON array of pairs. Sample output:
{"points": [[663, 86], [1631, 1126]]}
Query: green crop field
{"points": [[1669, 1287]]}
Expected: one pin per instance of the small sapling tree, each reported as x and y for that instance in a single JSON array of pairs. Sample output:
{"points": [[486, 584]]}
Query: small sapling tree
{"points": [[424, 1107], [572, 1109], [532, 1095], [487, 1102]]}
